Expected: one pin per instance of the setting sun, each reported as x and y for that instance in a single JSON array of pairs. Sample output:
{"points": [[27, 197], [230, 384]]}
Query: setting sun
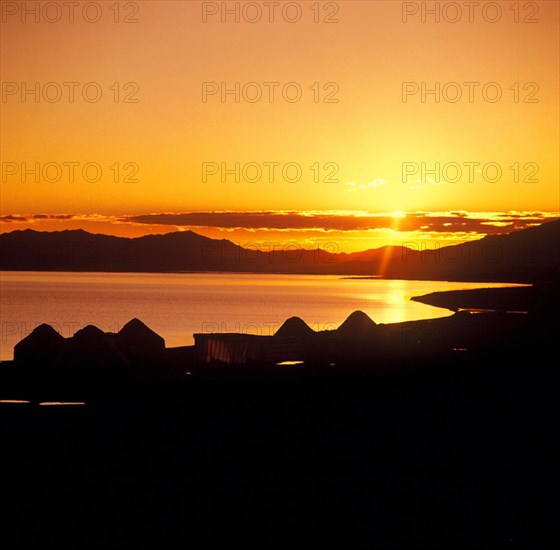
{"points": [[382, 120]]}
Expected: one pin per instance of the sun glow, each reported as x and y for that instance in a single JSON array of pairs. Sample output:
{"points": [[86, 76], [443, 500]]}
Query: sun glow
{"points": [[365, 146]]}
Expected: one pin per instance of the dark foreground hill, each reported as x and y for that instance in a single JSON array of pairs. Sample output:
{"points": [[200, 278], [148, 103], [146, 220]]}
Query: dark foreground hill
{"points": [[456, 451], [527, 255], [436, 434]]}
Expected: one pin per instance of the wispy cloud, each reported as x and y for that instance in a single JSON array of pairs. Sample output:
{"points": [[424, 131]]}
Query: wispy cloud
{"points": [[453, 222], [493, 223]]}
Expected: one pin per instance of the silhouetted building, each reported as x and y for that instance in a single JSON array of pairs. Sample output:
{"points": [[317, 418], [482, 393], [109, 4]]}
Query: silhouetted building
{"points": [[135, 336], [357, 325], [42, 346]]}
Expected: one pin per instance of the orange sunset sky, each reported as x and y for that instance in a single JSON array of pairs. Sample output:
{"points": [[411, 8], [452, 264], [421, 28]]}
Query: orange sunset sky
{"points": [[354, 195]]}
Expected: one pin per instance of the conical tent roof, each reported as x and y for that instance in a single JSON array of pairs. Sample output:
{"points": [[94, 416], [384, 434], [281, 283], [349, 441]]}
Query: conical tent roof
{"points": [[136, 334], [90, 333], [91, 346], [42, 343], [294, 327], [357, 324]]}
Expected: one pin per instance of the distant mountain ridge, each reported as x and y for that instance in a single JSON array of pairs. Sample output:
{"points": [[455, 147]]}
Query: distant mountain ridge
{"points": [[527, 255]]}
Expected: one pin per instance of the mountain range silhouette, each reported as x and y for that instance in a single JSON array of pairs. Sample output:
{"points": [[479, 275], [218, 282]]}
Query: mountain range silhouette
{"points": [[527, 255]]}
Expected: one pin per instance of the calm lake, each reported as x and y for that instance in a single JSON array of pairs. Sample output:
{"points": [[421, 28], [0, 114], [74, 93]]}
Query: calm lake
{"points": [[178, 305]]}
